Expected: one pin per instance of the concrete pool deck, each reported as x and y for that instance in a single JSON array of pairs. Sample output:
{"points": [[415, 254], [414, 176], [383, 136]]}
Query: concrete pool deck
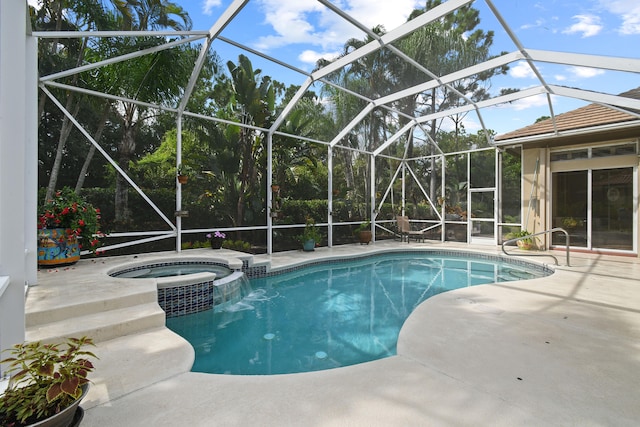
{"points": [[561, 350]]}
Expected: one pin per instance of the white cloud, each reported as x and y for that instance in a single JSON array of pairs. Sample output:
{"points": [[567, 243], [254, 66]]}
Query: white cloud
{"points": [[309, 22], [311, 56], [629, 12], [584, 72], [522, 71], [470, 124], [209, 5], [587, 26], [538, 23], [560, 77], [530, 102]]}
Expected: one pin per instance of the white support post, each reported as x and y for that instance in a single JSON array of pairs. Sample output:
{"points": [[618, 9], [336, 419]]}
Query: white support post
{"points": [[269, 193], [18, 168], [443, 195], [372, 208], [178, 184], [497, 207], [404, 180], [330, 196], [468, 198]]}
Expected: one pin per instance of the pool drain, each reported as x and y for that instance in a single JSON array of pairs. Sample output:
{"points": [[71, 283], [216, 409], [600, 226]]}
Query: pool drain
{"points": [[321, 355], [269, 336]]}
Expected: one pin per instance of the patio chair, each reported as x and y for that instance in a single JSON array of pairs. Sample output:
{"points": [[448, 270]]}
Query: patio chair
{"points": [[405, 231]]}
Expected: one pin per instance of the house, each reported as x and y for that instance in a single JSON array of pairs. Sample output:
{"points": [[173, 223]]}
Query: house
{"points": [[580, 173]]}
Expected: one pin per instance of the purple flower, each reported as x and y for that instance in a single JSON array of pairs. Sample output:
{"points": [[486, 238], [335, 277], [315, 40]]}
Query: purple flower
{"points": [[216, 235]]}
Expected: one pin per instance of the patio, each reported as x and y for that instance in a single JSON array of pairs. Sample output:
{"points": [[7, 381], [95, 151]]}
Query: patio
{"points": [[561, 350]]}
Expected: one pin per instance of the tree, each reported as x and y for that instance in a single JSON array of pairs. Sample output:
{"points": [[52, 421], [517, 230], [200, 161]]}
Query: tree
{"points": [[143, 78], [59, 54], [248, 98], [443, 47]]}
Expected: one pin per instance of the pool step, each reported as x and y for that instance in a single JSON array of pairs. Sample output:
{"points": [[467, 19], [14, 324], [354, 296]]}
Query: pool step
{"points": [[44, 308], [102, 325]]}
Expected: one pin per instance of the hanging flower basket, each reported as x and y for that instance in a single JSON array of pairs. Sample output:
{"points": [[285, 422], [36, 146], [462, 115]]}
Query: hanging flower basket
{"points": [[182, 179]]}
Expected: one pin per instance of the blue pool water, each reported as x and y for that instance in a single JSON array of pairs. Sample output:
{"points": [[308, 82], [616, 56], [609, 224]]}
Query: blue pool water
{"points": [[328, 315]]}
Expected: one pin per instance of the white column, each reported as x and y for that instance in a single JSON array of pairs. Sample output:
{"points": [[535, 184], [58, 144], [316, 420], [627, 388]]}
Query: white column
{"points": [[372, 208], [330, 196], [18, 167], [178, 185], [269, 192]]}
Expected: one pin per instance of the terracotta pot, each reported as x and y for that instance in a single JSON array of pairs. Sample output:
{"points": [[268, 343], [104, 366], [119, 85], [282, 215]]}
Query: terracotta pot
{"points": [[522, 244], [57, 248], [365, 237], [182, 179]]}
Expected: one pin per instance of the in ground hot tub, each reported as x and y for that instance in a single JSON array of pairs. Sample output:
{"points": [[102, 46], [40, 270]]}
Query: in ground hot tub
{"points": [[190, 285]]}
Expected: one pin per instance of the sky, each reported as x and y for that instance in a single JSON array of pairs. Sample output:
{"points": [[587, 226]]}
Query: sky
{"points": [[299, 32], [302, 31]]}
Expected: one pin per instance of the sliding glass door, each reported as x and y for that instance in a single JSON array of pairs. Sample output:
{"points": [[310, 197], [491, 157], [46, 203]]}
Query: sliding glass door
{"points": [[612, 209], [595, 207]]}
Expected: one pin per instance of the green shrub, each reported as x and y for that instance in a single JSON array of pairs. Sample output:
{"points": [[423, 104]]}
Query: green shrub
{"points": [[237, 245]]}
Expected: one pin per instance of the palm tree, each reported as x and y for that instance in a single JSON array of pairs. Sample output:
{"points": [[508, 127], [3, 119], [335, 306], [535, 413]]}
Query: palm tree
{"points": [[58, 54], [145, 78], [247, 98]]}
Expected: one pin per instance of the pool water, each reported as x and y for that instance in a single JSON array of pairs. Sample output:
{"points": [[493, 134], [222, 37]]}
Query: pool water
{"points": [[329, 315]]}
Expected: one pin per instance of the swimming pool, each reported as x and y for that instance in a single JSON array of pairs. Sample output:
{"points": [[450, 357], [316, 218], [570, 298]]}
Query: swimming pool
{"points": [[332, 314]]}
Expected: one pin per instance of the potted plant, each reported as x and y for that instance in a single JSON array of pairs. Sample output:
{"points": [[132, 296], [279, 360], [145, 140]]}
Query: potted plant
{"points": [[363, 231], [569, 223], [181, 173], [47, 383], [61, 221], [310, 236], [525, 244], [216, 239]]}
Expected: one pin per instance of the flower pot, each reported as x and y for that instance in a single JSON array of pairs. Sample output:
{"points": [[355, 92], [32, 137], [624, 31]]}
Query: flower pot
{"points": [[70, 416], [365, 237], [182, 179], [309, 245], [57, 248], [216, 243], [523, 244]]}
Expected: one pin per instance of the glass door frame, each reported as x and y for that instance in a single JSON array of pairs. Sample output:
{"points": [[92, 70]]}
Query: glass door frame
{"points": [[589, 230], [493, 219]]}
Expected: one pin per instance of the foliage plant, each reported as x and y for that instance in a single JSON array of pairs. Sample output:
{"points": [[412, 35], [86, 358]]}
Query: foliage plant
{"points": [[45, 379], [569, 222], [237, 245], [521, 233], [71, 212], [310, 232], [364, 226]]}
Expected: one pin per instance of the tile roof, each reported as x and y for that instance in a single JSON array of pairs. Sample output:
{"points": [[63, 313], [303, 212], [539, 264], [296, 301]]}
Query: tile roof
{"points": [[588, 116]]}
